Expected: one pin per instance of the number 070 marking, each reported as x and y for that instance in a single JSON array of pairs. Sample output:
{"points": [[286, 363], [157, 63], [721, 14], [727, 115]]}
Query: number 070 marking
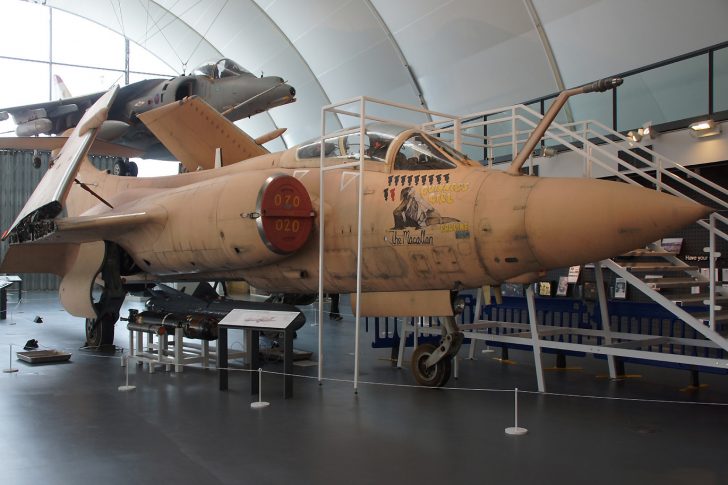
{"points": [[286, 200]]}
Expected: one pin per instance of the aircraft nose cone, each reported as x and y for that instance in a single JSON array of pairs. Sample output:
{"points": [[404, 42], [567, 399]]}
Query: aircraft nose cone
{"points": [[576, 221], [281, 94]]}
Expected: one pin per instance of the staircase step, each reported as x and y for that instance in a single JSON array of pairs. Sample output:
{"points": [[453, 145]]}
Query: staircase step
{"points": [[656, 267], [698, 298], [720, 317], [664, 283], [637, 253]]}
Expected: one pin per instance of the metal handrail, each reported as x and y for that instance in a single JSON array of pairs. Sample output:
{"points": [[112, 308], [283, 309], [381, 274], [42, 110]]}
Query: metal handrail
{"points": [[584, 137], [591, 123], [584, 133]]}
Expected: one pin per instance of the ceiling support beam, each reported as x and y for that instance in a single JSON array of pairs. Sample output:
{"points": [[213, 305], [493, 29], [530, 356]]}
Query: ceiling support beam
{"points": [[536, 20], [303, 60], [413, 80]]}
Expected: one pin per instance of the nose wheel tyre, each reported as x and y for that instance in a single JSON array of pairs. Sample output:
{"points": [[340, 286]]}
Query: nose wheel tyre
{"points": [[434, 376]]}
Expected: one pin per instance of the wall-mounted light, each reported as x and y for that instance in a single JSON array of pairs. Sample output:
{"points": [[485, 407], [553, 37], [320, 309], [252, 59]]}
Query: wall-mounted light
{"points": [[649, 130], [646, 130], [547, 152], [701, 129], [635, 136]]}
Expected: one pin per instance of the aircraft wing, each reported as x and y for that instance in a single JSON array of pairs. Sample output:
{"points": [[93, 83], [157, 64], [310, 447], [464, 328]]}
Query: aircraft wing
{"points": [[193, 130], [68, 232], [46, 202], [100, 227], [47, 143], [57, 111]]}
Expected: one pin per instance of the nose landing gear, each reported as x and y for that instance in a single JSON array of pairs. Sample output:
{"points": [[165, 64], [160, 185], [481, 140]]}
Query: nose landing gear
{"points": [[435, 375], [432, 365]]}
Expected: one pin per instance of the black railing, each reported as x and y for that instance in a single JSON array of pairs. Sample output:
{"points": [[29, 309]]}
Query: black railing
{"points": [[716, 107]]}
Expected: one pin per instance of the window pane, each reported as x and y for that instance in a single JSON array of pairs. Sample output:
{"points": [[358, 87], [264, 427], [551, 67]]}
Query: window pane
{"points": [[85, 80], [593, 106], [142, 61], [156, 168], [669, 93], [81, 42], [28, 88], [498, 130], [720, 80], [561, 117], [535, 107], [7, 127], [25, 31], [471, 138]]}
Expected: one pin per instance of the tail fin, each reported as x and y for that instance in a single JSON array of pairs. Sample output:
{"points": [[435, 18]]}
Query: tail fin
{"points": [[61, 89]]}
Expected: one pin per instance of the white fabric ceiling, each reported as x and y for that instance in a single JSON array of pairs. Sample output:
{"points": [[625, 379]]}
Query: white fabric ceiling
{"points": [[464, 55]]}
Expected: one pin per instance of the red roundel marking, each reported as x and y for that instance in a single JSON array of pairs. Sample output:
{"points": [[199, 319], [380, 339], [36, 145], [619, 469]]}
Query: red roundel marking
{"points": [[287, 214]]}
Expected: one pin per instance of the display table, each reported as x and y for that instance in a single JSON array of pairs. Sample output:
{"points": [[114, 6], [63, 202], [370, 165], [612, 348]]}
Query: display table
{"points": [[5, 282], [256, 321]]}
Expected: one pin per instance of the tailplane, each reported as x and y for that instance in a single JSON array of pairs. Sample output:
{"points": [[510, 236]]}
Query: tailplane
{"points": [[199, 136]]}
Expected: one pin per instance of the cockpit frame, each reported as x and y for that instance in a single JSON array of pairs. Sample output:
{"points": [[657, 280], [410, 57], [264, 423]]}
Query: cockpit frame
{"points": [[389, 149], [221, 69]]}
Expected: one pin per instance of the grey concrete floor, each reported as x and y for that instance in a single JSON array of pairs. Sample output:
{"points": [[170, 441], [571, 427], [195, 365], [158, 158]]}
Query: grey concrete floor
{"points": [[68, 423]]}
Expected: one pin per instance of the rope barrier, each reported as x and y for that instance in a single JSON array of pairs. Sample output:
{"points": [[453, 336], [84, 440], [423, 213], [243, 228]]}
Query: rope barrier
{"points": [[462, 389], [412, 386], [415, 386], [631, 399]]}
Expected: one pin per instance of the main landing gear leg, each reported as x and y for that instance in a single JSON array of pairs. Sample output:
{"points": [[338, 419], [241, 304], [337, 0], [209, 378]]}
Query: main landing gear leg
{"points": [[432, 365], [100, 330]]}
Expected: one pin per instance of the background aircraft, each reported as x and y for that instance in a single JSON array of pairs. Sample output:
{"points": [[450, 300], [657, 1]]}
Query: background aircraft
{"points": [[224, 85], [436, 222]]}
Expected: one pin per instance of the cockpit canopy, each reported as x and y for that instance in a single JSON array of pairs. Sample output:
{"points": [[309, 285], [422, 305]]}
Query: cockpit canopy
{"points": [[220, 69], [418, 151]]}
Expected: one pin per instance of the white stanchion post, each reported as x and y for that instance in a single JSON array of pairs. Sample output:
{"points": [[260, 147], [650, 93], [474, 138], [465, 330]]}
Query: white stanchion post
{"points": [[516, 430], [126, 387], [10, 359], [260, 403]]}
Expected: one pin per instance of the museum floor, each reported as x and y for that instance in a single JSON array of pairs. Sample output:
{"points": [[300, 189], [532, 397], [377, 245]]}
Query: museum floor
{"points": [[68, 423]]}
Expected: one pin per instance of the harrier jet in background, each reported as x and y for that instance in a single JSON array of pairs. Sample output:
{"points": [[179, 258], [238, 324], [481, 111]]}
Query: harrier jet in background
{"points": [[435, 222], [224, 85]]}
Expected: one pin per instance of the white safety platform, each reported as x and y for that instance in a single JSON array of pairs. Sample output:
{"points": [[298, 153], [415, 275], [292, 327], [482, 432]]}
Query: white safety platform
{"points": [[173, 350]]}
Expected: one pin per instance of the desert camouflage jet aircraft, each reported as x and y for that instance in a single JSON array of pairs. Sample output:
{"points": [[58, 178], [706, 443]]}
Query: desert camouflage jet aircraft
{"points": [[435, 222]]}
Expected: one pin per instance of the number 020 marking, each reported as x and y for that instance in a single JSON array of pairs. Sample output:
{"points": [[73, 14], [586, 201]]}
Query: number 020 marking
{"points": [[288, 225]]}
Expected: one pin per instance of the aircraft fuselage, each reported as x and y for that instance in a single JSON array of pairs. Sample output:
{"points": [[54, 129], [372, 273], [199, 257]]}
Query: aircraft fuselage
{"points": [[446, 228]]}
